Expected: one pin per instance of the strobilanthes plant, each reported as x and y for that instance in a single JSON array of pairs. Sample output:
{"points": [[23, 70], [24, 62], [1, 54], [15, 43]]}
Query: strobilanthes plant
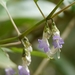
{"points": [[43, 42]]}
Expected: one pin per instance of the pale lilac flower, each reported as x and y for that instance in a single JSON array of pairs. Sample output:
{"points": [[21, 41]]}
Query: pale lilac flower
{"points": [[57, 41], [9, 71], [23, 70], [43, 43]]}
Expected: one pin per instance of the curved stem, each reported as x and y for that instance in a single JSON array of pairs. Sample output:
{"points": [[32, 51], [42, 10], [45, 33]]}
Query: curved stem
{"points": [[63, 9], [39, 9], [12, 20]]}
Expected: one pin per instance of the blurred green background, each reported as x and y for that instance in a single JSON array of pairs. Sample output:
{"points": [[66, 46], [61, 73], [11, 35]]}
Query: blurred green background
{"points": [[26, 15]]}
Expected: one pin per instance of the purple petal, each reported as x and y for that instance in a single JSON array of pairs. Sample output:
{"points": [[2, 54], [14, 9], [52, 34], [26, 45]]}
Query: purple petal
{"points": [[23, 70], [61, 41], [55, 37], [46, 49], [43, 43], [55, 44], [9, 71], [57, 41]]}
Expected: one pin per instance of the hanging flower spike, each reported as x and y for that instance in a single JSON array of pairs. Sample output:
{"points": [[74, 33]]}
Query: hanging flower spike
{"points": [[27, 44], [43, 43], [23, 70], [9, 71], [57, 40], [26, 59], [26, 51]]}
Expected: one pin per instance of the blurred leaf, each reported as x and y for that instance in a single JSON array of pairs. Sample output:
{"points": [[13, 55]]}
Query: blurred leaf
{"points": [[5, 61], [6, 49], [3, 2], [27, 9], [65, 66], [39, 54], [15, 49], [34, 53]]}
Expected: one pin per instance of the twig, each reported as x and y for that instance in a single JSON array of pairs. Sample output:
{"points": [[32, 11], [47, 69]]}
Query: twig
{"points": [[10, 44], [64, 36], [63, 9], [40, 10]]}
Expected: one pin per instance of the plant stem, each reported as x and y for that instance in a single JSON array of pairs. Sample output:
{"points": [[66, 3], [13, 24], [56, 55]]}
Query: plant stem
{"points": [[63, 9], [10, 44], [12, 20], [49, 16], [8, 40], [39, 9], [32, 28]]}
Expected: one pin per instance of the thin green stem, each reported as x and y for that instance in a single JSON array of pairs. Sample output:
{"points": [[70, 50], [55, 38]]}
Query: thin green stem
{"points": [[8, 40], [12, 20], [39, 9], [53, 11], [63, 9], [30, 29]]}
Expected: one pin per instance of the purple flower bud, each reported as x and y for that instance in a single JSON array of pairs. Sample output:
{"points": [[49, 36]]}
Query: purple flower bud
{"points": [[57, 41], [9, 71], [43, 43], [23, 70]]}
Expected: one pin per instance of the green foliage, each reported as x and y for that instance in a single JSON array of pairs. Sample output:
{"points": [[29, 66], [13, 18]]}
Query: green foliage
{"points": [[34, 53], [5, 62]]}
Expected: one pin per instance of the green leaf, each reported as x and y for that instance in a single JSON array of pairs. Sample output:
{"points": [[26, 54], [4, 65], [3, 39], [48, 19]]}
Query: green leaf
{"points": [[65, 66], [5, 61], [34, 53], [6, 49], [39, 54], [3, 2], [26, 11]]}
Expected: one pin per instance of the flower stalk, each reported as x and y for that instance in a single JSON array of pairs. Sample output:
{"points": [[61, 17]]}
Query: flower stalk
{"points": [[4, 5]]}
